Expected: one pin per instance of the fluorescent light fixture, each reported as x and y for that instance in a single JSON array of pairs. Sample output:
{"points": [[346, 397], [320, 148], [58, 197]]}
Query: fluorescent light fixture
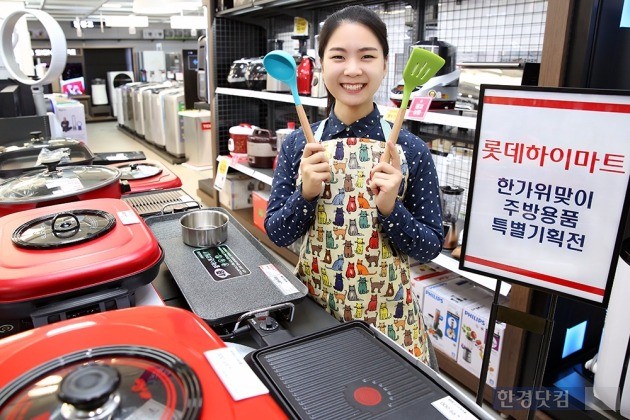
{"points": [[152, 7], [131, 21], [189, 22], [112, 6]]}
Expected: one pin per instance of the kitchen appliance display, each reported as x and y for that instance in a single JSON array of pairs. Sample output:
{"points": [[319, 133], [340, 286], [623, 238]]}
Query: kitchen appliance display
{"points": [[268, 282], [368, 377], [60, 185], [143, 362], [72, 259], [148, 175], [22, 157], [451, 198], [442, 87]]}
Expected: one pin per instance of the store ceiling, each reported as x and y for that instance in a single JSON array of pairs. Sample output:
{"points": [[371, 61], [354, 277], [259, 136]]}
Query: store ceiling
{"points": [[92, 9]]}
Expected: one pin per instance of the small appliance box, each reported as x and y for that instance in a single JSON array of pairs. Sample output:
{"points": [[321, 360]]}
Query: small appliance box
{"points": [[444, 305], [237, 191], [473, 340], [427, 275], [71, 115], [260, 200]]}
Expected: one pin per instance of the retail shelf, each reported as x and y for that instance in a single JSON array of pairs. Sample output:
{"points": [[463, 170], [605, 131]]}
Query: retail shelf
{"points": [[441, 118], [263, 175], [276, 97], [453, 265]]}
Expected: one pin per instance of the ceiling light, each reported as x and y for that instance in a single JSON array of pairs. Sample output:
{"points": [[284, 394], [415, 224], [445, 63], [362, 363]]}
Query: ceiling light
{"points": [[112, 6], [189, 22], [131, 21], [152, 7]]}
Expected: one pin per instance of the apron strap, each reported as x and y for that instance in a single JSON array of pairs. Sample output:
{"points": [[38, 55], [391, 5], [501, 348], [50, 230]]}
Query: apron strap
{"points": [[387, 129], [320, 130]]}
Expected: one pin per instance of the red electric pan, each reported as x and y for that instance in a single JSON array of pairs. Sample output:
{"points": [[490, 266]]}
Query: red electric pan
{"points": [[144, 362], [72, 259], [147, 175]]}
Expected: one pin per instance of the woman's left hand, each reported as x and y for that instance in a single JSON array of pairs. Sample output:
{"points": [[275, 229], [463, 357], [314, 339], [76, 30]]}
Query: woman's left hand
{"points": [[385, 179]]}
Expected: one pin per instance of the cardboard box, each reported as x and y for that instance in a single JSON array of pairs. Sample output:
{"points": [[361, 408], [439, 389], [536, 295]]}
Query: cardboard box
{"points": [[237, 191], [260, 200], [444, 305], [473, 340], [71, 115], [427, 275]]}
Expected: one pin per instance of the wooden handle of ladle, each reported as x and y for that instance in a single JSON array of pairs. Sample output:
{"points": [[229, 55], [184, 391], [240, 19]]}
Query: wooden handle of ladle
{"points": [[393, 136], [306, 126]]}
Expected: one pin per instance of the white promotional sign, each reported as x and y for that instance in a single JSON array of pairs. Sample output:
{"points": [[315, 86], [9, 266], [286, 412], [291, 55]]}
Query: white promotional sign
{"points": [[549, 184]]}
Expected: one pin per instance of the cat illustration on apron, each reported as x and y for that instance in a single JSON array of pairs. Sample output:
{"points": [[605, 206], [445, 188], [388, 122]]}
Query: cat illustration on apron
{"points": [[349, 266]]}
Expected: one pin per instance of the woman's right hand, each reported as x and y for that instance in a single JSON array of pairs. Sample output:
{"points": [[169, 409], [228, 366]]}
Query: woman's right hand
{"points": [[315, 170]]}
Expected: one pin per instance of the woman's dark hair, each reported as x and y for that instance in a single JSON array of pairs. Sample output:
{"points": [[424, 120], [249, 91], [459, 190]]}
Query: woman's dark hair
{"points": [[352, 14]]}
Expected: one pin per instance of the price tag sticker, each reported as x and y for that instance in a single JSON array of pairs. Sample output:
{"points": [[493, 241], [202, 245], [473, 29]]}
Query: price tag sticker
{"points": [[451, 409], [222, 169], [419, 107], [239, 379], [278, 279], [128, 217]]}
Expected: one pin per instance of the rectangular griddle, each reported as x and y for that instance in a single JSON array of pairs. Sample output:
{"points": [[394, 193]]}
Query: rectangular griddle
{"points": [[241, 287], [352, 372], [151, 203]]}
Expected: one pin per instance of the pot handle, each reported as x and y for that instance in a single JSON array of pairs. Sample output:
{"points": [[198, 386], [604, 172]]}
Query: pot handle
{"points": [[187, 202], [261, 132], [65, 231]]}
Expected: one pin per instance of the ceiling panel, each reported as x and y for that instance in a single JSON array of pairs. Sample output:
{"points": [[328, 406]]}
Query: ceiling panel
{"points": [[92, 9]]}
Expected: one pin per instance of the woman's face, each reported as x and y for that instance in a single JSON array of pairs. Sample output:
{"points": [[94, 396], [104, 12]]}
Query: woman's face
{"points": [[353, 67]]}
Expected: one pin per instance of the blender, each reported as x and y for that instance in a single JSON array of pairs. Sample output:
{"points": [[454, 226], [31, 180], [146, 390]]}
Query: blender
{"points": [[451, 198]]}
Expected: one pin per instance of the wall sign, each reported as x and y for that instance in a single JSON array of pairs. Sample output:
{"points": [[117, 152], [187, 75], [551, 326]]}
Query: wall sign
{"points": [[548, 188]]}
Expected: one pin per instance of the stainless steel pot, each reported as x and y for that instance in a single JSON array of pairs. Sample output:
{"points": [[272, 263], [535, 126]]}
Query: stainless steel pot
{"points": [[205, 227]]}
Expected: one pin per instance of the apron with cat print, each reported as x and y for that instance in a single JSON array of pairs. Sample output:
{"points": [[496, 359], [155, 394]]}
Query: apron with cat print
{"points": [[350, 268]]}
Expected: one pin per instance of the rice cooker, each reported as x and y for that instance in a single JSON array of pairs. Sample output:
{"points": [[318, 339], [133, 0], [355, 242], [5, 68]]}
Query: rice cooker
{"points": [[261, 149], [237, 144]]}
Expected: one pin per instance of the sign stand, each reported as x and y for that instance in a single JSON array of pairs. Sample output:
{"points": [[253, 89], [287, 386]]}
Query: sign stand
{"points": [[532, 323]]}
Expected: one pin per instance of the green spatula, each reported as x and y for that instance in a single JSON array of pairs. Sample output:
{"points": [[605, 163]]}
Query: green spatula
{"points": [[421, 66]]}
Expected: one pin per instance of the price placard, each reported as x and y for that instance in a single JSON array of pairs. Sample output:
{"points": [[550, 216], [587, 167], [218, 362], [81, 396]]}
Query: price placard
{"points": [[222, 170], [419, 107]]}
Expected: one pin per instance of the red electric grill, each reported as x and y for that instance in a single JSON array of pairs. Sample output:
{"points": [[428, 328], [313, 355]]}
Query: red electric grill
{"points": [[143, 362], [67, 260], [147, 175]]}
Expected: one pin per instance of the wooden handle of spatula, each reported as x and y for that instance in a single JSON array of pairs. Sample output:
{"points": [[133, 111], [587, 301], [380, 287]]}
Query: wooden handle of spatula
{"points": [[393, 136], [306, 127]]}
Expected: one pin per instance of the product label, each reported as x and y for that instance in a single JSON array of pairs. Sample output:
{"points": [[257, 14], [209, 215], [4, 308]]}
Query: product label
{"points": [[451, 409], [221, 263], [278, 279]]}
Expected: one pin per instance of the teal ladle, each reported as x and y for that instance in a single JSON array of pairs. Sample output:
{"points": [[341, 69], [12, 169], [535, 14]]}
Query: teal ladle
{"points": [[281, 65]]}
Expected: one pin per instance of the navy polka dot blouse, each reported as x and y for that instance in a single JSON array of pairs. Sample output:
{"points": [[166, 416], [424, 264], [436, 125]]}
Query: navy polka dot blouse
{"points": [[415, 225]]}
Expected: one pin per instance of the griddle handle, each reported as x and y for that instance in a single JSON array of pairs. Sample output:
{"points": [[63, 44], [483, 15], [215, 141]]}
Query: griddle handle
{"points": [[266, 311], [179, 203]]}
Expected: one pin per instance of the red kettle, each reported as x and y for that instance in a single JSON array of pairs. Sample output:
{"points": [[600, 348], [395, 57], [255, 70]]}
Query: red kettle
{"points": [[305, 76]]}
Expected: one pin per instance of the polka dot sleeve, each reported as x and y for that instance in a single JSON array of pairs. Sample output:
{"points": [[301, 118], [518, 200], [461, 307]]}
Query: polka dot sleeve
{"points": [[415, 224], [289, 215]]}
